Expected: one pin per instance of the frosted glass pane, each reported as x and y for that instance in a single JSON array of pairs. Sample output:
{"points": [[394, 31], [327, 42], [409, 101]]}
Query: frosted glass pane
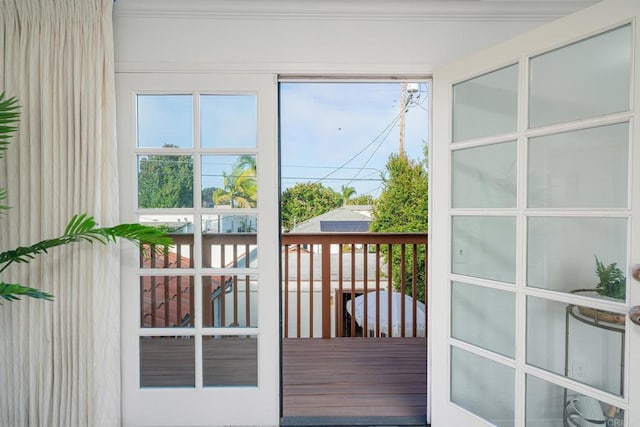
{"points": [[585, 79], [485, 247], [486, 105], [598, 180], [485, 177], [593, 353], [561, 251], [546, 403], [483, 387], [484, 317]]}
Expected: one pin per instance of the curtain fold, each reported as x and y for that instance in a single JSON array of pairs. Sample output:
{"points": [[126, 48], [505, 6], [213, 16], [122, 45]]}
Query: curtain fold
{"points": [[60, 360]]}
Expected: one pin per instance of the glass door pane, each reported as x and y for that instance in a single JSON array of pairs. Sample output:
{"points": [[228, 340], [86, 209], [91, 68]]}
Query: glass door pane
{"points": [[484, 317], [484, 247], [483, 387], [562, 252], [563, 340], [598, 180], [486, 105], [589, 78], [485, 176], [545, 406]]}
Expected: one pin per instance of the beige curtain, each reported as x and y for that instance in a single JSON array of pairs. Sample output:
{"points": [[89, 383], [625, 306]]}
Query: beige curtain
{"points": [[59, 361]]}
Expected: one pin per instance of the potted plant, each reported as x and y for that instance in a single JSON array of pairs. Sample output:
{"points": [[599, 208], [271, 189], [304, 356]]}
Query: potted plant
{"points": [[612, 281], [611, 284]]}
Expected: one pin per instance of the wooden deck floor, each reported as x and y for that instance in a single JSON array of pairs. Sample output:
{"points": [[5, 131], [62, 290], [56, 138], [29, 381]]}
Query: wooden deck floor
{"points": [[323, 379], [355, 377]]}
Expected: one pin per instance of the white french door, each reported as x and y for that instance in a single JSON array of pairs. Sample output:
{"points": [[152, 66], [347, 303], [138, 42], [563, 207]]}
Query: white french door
{"points": [[200, 342], [536, 183]]}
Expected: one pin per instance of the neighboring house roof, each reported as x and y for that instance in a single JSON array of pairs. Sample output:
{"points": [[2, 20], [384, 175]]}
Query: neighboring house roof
{"points": [[345, 219], [166, 289]]}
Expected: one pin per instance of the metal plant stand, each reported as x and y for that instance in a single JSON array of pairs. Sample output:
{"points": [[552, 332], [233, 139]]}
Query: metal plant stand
{"points": [[573, 311]]}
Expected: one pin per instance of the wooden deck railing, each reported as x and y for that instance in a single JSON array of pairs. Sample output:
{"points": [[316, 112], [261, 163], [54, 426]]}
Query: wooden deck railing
{"points": [[168, 301], [350, 265], [323, 275]]}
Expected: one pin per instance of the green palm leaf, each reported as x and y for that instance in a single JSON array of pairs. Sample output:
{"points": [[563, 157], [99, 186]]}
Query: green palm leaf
{"points": [[13, 291], [9, 116], [80, 228], [84, 228], [3, 195]]}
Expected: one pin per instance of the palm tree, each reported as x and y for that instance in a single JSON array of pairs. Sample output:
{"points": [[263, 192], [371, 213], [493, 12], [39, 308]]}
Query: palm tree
{"points": [[9, 116], [347, 193], [239, 189], [80, 228]]}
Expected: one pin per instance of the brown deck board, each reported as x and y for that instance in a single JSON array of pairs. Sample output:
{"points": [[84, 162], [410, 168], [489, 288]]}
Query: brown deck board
{"points": [[170, 362], [355, 377], [343, 377]]}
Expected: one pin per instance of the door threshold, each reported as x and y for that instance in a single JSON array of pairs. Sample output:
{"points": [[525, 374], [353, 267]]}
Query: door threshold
{"points": [[418, 421]]}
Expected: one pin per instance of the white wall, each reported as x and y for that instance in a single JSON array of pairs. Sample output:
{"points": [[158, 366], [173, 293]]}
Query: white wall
{"points": [[330, 36]]}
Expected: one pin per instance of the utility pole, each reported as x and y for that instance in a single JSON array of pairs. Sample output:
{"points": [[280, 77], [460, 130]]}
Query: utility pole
{"points": [[403, 110]]}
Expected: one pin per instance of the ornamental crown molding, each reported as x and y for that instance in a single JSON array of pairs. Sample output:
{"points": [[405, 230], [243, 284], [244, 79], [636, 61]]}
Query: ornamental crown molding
{"points": [[410, 10]]}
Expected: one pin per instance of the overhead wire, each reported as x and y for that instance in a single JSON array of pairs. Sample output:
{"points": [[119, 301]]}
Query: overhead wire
{"points": [[418, 100], [412, 101], [372, 154], [389, 126]]}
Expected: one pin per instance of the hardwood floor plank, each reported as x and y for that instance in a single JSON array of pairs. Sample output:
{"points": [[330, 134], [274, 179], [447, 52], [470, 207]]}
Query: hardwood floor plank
{"points": [[354, 377]]}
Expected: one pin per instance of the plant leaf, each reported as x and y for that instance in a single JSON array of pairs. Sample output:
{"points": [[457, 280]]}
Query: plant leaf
{"points": [[9, 116], [13, 291], [84, 228], [3, 195]]}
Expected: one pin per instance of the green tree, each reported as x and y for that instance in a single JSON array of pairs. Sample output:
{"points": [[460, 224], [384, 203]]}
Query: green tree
{"points": [[207, 197], [403, 207], [165, 181], [239, 186], [306, 200], [347, 193], [363, 199]]}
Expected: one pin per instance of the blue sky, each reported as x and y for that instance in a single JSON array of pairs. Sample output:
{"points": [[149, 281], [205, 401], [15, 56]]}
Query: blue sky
{"points": [[354, 125], [333, 133]]}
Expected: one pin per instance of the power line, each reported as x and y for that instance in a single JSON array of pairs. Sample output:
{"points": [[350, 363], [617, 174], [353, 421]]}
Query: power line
{"points": [[326, 167], [406, 104], [390, 125], [290, 178], [372, 154]]}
